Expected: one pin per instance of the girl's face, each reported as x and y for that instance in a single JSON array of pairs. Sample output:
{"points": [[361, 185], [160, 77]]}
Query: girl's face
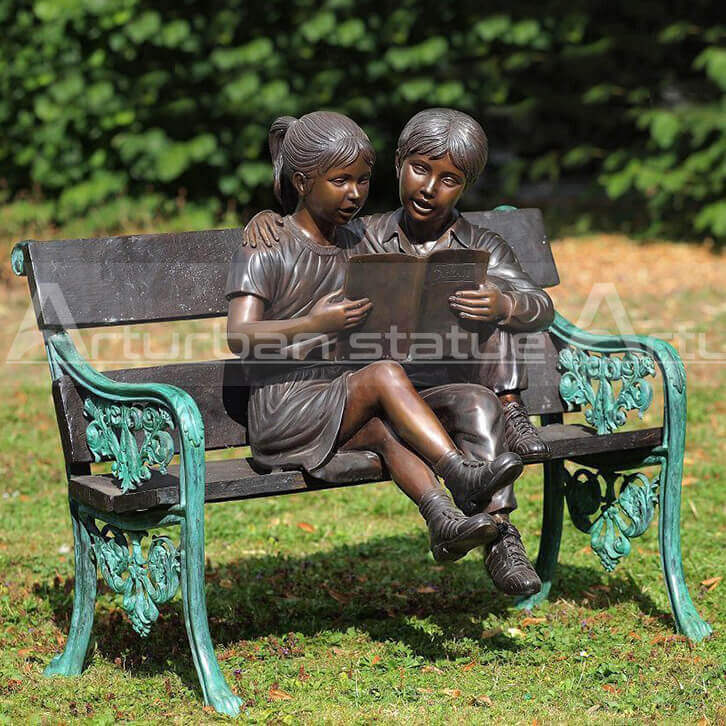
{"points": [[338, 194]]}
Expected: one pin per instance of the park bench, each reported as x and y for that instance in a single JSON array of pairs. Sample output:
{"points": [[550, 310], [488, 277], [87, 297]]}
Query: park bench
{"points": [[139, 418]]}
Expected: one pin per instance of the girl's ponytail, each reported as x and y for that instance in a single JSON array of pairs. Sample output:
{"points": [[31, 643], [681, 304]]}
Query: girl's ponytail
{"points": [[310, 145], [283, 188]]}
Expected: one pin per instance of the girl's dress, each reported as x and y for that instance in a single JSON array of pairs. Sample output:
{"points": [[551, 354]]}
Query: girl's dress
{"points": [[294, 411]]}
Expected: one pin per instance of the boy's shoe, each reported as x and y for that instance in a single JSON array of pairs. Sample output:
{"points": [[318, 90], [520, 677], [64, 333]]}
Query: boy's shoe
{"points": [[519, 434], [508, 565], [453, 534], [472, 482]]}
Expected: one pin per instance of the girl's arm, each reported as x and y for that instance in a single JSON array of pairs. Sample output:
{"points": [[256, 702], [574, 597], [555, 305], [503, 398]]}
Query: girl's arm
{"points": [[247, 328]]}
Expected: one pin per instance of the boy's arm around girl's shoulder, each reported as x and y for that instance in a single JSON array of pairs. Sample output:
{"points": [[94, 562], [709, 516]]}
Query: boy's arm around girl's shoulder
{"points": [[532, 307]]}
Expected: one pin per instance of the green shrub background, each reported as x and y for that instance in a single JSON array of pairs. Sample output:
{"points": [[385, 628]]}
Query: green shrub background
{"points": [[104, 99]]}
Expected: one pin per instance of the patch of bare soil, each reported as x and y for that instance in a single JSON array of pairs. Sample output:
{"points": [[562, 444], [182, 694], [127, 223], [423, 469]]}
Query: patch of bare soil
{"points": [[669, 290]]}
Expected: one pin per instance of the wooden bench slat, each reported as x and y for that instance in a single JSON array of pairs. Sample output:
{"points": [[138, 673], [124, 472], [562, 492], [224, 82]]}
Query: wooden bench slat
{"points": [[178, 276], [574, 441], [524, 232], [133, 279], [226, 480], [235, 479]]}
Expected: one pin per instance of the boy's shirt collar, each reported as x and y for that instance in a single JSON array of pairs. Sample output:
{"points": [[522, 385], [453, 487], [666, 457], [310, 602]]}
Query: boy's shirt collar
{"points": [[393, 238]]}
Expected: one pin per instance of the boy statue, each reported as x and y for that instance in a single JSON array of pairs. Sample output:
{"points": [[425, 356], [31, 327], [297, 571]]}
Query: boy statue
{"points": [[440, 153]]}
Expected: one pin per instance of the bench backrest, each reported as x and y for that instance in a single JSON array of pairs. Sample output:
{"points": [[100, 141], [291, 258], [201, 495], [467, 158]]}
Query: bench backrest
{"points": [[156, 277], [162, 277]]}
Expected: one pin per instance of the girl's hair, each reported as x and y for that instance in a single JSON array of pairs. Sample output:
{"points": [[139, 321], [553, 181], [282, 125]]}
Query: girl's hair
{"points": [[311, 145], [436, 132]]}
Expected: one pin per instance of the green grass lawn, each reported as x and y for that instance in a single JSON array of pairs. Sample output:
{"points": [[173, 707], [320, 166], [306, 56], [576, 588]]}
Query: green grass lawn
{"points": [[328, 607]]}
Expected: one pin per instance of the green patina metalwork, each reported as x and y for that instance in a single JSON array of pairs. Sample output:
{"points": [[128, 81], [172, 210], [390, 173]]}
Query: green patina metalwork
{"points": [[606, 411], [17, 258], [620, 517], [188, 421], [111, 434], [669, 455], [144, 582]]}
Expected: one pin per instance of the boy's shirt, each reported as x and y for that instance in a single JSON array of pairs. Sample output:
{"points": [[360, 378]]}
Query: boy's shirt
{"points": [[532, 307]]}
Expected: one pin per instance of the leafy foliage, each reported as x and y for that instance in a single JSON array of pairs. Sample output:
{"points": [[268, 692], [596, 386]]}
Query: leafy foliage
{"points": [[104, 97]]}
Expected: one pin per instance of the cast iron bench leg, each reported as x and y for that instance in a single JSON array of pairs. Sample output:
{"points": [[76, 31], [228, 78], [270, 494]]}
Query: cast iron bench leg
{"points": [[71, 661], [687, 619], [214, 687]]}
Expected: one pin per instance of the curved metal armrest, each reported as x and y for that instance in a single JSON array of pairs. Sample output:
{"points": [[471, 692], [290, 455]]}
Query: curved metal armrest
{"points": [[182, 407], [664, 355]]}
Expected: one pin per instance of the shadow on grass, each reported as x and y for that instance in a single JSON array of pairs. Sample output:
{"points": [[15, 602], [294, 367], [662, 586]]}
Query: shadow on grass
{"points": [[384, 587]]}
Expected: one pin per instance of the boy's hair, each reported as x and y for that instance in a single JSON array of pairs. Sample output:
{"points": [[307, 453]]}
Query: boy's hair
{"points": [[436, 132]]}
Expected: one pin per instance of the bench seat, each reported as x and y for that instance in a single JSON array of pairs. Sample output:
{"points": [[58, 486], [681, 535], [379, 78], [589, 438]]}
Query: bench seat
{"points": [[232, 479]]}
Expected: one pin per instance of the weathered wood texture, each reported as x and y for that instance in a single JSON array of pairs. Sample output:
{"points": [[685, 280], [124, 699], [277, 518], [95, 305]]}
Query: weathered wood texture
{"points": [[577, 443], [524, 232], [235, 479], [138, 278], [155, 277]]}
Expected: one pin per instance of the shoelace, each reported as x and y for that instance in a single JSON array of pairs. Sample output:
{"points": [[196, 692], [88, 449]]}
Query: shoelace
{"points": [[511, 543], [518, 420], [473, 463]]}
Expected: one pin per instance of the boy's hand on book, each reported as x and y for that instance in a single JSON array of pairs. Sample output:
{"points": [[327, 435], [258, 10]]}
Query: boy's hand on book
{"points": [[328, 316], [263, 227], [487, 304]]}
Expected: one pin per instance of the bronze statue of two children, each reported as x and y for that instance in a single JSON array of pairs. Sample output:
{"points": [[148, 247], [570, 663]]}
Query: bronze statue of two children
{"points": [[285, 290]]}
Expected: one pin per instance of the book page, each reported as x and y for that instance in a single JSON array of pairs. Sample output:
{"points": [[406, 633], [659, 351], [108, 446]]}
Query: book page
{"points": [[447, 272], [393, 282]]}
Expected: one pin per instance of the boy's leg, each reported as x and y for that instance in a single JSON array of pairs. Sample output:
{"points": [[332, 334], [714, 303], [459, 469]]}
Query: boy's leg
{"points": [[473, 416], [504, 371]]}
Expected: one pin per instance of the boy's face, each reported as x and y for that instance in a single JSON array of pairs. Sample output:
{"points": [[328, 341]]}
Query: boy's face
{"points": [[429, 188]]}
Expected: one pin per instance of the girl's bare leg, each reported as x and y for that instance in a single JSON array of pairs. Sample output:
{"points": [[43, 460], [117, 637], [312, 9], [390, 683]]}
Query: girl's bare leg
{"points": [[383, 388], [411, 474]]}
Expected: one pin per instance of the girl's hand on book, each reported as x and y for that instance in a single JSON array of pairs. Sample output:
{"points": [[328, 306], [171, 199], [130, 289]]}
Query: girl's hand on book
{"points": [[487, 304], [263, 227], [328, 316]]}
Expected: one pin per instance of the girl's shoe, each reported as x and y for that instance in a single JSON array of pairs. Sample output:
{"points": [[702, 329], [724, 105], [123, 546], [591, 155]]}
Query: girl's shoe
{"points": [[471, 482]]}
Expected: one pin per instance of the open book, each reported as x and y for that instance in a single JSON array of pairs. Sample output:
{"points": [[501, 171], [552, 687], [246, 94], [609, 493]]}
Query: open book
{"points": [[411, 318]]}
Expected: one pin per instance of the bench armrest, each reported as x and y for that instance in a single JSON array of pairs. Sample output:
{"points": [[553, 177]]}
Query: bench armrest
{"points": [[173, 401], [642, 353]]}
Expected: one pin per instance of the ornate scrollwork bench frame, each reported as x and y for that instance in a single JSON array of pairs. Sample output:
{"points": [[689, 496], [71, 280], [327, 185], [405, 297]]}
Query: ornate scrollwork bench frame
{"points": [[589, 367], [117, 410]]}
